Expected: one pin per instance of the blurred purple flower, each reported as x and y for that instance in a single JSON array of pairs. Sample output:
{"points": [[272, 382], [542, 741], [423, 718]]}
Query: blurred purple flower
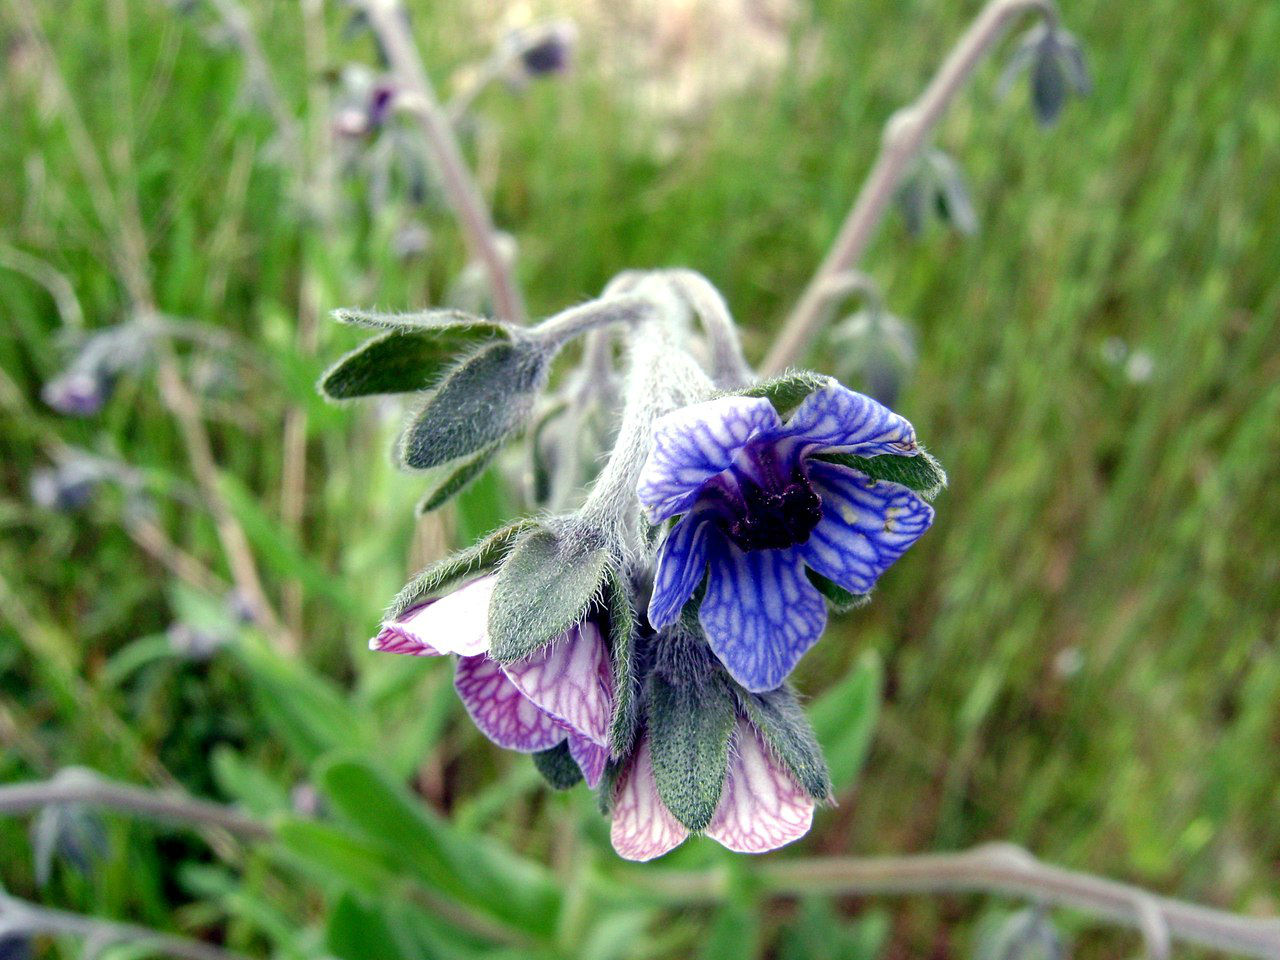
{"points": [[77, 393], [562, 692]]}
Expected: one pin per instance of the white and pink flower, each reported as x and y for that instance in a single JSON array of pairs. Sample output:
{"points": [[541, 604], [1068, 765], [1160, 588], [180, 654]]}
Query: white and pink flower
{"points": [[761, 806], [564, 692]]}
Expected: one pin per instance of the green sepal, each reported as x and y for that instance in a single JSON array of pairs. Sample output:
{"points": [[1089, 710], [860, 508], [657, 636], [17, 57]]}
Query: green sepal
{"points": [[692, 713], [482, 401], [622, 629], [405, 360], [839, 600], [544, 587], [608, 787], [465, 564], [557, 767], [455, 479], [787, 391], [781, 721], [921, 473]]}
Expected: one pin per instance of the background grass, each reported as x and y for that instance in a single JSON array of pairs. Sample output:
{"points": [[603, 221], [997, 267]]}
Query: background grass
{"points": [[1080, 657]]}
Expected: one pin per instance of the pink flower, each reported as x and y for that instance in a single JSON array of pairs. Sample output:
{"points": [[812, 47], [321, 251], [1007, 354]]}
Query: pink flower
{"points": [[562, 692], [761, 807]]}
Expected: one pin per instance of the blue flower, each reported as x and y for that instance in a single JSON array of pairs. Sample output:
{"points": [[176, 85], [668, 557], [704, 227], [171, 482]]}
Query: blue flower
{"points": [[760, 504]]}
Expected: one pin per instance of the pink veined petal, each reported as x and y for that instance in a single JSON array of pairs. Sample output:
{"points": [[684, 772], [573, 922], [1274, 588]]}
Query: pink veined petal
{"points": [[642, 827], [693, 444], [456, 623], [504, 714], [391, 639], [761, 807], [571, 680], [590, 757]]}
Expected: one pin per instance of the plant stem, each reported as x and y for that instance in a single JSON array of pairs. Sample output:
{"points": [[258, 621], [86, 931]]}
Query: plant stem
{"points": [[905, 133], [387, 20], [993, 869], [171, 807], [19, 917]]}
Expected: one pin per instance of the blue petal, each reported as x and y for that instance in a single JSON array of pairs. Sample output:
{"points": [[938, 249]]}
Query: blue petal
{"points": [[682, 562], [691, 445], [866, 525], [760, 613], [836, 417]]}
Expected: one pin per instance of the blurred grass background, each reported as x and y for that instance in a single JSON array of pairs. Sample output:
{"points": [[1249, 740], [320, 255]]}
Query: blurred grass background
{"points": [[1080, 657]]}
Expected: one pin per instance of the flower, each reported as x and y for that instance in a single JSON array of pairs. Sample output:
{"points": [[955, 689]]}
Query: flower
{"points": [[761, 806], [562, 692], [760, 505]]}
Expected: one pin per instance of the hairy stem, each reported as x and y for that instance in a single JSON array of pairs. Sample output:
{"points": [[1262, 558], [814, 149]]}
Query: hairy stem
{"points": [[169, 807], [994, 869], [387, 20], [21, 918], [905, 133]]}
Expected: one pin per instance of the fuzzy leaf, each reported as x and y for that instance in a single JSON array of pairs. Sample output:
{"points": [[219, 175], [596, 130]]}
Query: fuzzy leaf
{"points": [[622, 627], [557, 767], [691, 720], [543, 589], [788, 391], [455, 480], [481, 402], [921, 473], [405, 360], [471, 562], [781, 721]]}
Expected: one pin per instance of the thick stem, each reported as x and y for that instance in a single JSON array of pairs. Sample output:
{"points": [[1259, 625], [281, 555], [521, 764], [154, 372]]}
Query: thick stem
{"points": [[905, 133], [387, 20], [169, 807], [995, 869]]}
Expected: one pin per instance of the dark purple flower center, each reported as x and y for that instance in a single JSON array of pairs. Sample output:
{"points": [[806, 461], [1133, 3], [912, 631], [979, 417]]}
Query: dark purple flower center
{"points": [[769, 507]]}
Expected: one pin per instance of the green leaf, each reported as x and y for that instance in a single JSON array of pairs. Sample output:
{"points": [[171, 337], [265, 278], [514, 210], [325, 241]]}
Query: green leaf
{"points": [[838, 598], [482, 401], [247, 783], [921, 473], [456, 479], [356, 932], [557, 767], [845, 719], [781, 721], [622, 627], [470, 869], [465, 564], [787, 391], [691, 720], [544, 587], [405, 360], [734, 933]]}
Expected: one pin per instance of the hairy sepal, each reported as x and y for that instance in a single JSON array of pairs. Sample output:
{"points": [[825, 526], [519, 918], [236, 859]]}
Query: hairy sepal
{"points": [[557, 767], [787, 732], [839, 600], [786, 391], [455, 478], [467, 564], [622, 628], [406, 359], [545, 586], [481, 402], [921, 473]]}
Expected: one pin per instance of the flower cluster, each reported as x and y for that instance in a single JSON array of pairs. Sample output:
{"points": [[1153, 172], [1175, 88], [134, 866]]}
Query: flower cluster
{"points": [[643, 642]]}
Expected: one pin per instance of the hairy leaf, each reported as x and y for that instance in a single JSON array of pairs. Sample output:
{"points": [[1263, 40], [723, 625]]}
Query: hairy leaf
{"points": [[405, 360], [781, 721], [455, 479], [691, 720]]}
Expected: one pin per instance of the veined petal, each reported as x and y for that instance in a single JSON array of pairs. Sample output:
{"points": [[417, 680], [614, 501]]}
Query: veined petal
{"points": [[504, 714], [642, 827], [391, 639], [571, 680], [761, 807], [760, 613], [682, 563], [838, 418], [866, 525], [456, 623], [693, 444], [590, 757]]}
